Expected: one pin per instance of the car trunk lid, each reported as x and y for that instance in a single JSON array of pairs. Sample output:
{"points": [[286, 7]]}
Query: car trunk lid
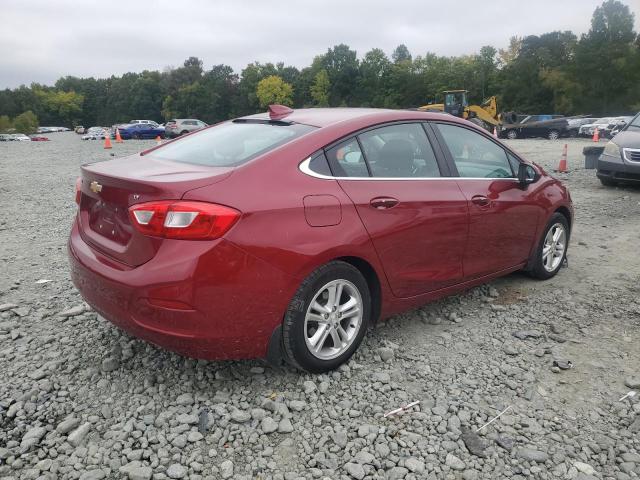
{"points": [[108, 189]]}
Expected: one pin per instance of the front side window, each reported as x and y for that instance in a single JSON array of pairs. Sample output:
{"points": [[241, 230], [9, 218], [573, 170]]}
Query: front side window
{"points": [[346, 160], [230, 144], [474, 155], [401, 150]]}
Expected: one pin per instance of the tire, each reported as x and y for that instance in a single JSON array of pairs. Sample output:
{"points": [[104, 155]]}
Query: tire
{"points": [[303, 321], [511, 134], [184, 132], [553, 135], [607, 182], [136, 136], [545, 267]]}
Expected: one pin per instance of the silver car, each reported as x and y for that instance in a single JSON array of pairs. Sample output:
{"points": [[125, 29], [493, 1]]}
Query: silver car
{"points": [[179, 126]]}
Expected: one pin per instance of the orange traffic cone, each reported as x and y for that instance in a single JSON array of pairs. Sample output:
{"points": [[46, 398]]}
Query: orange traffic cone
{"points": [[562, 166], [495, 132], [107, 141], [596, 135], [118, 137], [158, 140]]}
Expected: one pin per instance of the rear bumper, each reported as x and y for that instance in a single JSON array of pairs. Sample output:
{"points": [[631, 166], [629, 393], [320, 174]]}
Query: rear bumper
{"points": [[207, 300], [616, 170]]}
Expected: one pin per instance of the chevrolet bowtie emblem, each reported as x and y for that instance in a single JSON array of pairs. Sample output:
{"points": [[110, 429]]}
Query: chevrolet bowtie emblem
{"points": [[95, 187]]}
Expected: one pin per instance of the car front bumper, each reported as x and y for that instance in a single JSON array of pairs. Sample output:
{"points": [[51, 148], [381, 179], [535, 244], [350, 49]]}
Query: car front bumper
{"points": [[616, 169], [209, 301]]}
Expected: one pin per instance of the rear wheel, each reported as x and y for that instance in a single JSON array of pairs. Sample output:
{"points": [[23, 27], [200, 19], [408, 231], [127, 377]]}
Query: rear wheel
{"points": [[552, 250], [136, 136], [184, 132], [553, 135], [327, 318], [512, 134]]}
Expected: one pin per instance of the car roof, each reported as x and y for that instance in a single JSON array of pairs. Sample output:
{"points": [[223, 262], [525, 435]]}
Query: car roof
{"points": [[324, 117]]}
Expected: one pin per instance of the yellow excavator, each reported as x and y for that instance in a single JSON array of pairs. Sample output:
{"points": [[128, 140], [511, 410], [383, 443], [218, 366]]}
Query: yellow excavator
{"points": [[456, 103]]}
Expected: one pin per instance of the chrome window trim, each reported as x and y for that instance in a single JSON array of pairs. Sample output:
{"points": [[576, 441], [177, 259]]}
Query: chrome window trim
{"points": [[628, 158], [304, 168]]}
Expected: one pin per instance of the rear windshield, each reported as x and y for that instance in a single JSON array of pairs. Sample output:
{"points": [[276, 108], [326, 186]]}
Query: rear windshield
{"points": [[230, 144]]}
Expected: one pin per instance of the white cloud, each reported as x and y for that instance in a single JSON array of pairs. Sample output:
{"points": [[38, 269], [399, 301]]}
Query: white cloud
{"points": [[42, 40]]}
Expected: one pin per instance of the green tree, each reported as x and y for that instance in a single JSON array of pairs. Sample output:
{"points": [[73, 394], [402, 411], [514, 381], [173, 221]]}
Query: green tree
{"points": [[274, 90], [5, 123], [320, 89], [62, 107], [373, 79], [606, 61], [341, 64], [26, 122], [401, 54]]}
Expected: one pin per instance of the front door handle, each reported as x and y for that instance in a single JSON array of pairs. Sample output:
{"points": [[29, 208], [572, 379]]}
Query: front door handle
{"points": [[382, 203], [481, 200]]}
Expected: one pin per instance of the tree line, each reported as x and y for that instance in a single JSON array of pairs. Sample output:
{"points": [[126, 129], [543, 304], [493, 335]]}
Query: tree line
{"points": [[556, 72]]}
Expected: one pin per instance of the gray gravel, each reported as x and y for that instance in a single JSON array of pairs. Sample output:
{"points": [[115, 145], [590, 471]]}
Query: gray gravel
{"points": [[81, 400]]}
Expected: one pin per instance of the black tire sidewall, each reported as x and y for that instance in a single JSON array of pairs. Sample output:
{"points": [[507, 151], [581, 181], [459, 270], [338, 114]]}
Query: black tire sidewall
{"points": [[538, 270], [293, 326]]}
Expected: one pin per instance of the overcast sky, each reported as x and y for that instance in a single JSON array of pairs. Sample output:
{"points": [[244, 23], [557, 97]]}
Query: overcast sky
{"points": [[42, 40]]}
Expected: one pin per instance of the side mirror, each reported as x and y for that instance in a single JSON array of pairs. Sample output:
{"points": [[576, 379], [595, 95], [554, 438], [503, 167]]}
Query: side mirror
{"points": [[527, 174]]}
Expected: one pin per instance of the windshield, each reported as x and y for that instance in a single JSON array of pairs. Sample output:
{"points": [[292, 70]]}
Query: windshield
{"points": [[230, 144], [635, 122]]}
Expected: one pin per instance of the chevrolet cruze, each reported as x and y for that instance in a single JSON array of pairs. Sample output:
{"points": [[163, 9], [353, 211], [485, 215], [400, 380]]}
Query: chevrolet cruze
{"points": [[286, 234]]}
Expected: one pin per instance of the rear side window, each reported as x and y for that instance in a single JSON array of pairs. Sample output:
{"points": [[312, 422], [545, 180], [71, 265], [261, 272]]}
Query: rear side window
{"points": [[230, 144], [346, 160], [474, 155], [401, 150]]}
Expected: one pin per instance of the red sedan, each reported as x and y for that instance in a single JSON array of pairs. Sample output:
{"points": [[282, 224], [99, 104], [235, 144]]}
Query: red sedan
{"points": [[285, 235]]}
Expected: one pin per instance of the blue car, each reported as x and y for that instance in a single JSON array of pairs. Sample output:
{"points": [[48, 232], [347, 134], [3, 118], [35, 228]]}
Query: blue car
{"points": [[140, 130]]}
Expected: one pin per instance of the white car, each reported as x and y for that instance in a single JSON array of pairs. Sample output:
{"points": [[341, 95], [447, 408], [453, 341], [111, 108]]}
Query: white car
{"points": [[589, 129], [95, 133], [150, 122], [20, 137]]}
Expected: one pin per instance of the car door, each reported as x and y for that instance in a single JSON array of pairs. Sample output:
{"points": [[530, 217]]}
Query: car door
{"points": [[415, 215], [503, 216]]}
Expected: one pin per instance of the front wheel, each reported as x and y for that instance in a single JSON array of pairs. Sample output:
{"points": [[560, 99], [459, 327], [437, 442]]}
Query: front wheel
{"points": [[552, 250], [512, 134], [327, 318]]}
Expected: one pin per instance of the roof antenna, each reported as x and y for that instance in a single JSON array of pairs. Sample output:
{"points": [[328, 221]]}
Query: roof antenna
{"points": [[276, 112]]}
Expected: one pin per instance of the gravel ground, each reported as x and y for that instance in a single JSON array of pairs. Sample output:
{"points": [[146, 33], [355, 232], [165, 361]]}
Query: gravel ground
{"points": [[80, 399]]}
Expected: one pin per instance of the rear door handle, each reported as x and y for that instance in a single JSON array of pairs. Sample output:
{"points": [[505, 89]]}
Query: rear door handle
{"points": [[481, 200], [382, 203]]}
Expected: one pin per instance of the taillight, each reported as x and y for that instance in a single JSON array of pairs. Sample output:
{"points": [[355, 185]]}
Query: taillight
{"points": [[183, 220], [78, 189]]}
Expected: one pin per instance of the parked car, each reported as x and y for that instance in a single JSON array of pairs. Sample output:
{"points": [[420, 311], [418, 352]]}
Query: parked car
{"points": [[79, 129], [95, 133], [5, 137], [615, 126], [620, 160], [574, 124], [149, 122], [287, 234], [181, 126], [20, 137], [38, 138], [547, 126], [589, 129], [140, 130]]}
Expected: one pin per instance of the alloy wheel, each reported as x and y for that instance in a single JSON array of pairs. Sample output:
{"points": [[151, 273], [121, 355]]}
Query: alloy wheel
{"points": [[512, 134], [554, 247], [333, 319]]}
